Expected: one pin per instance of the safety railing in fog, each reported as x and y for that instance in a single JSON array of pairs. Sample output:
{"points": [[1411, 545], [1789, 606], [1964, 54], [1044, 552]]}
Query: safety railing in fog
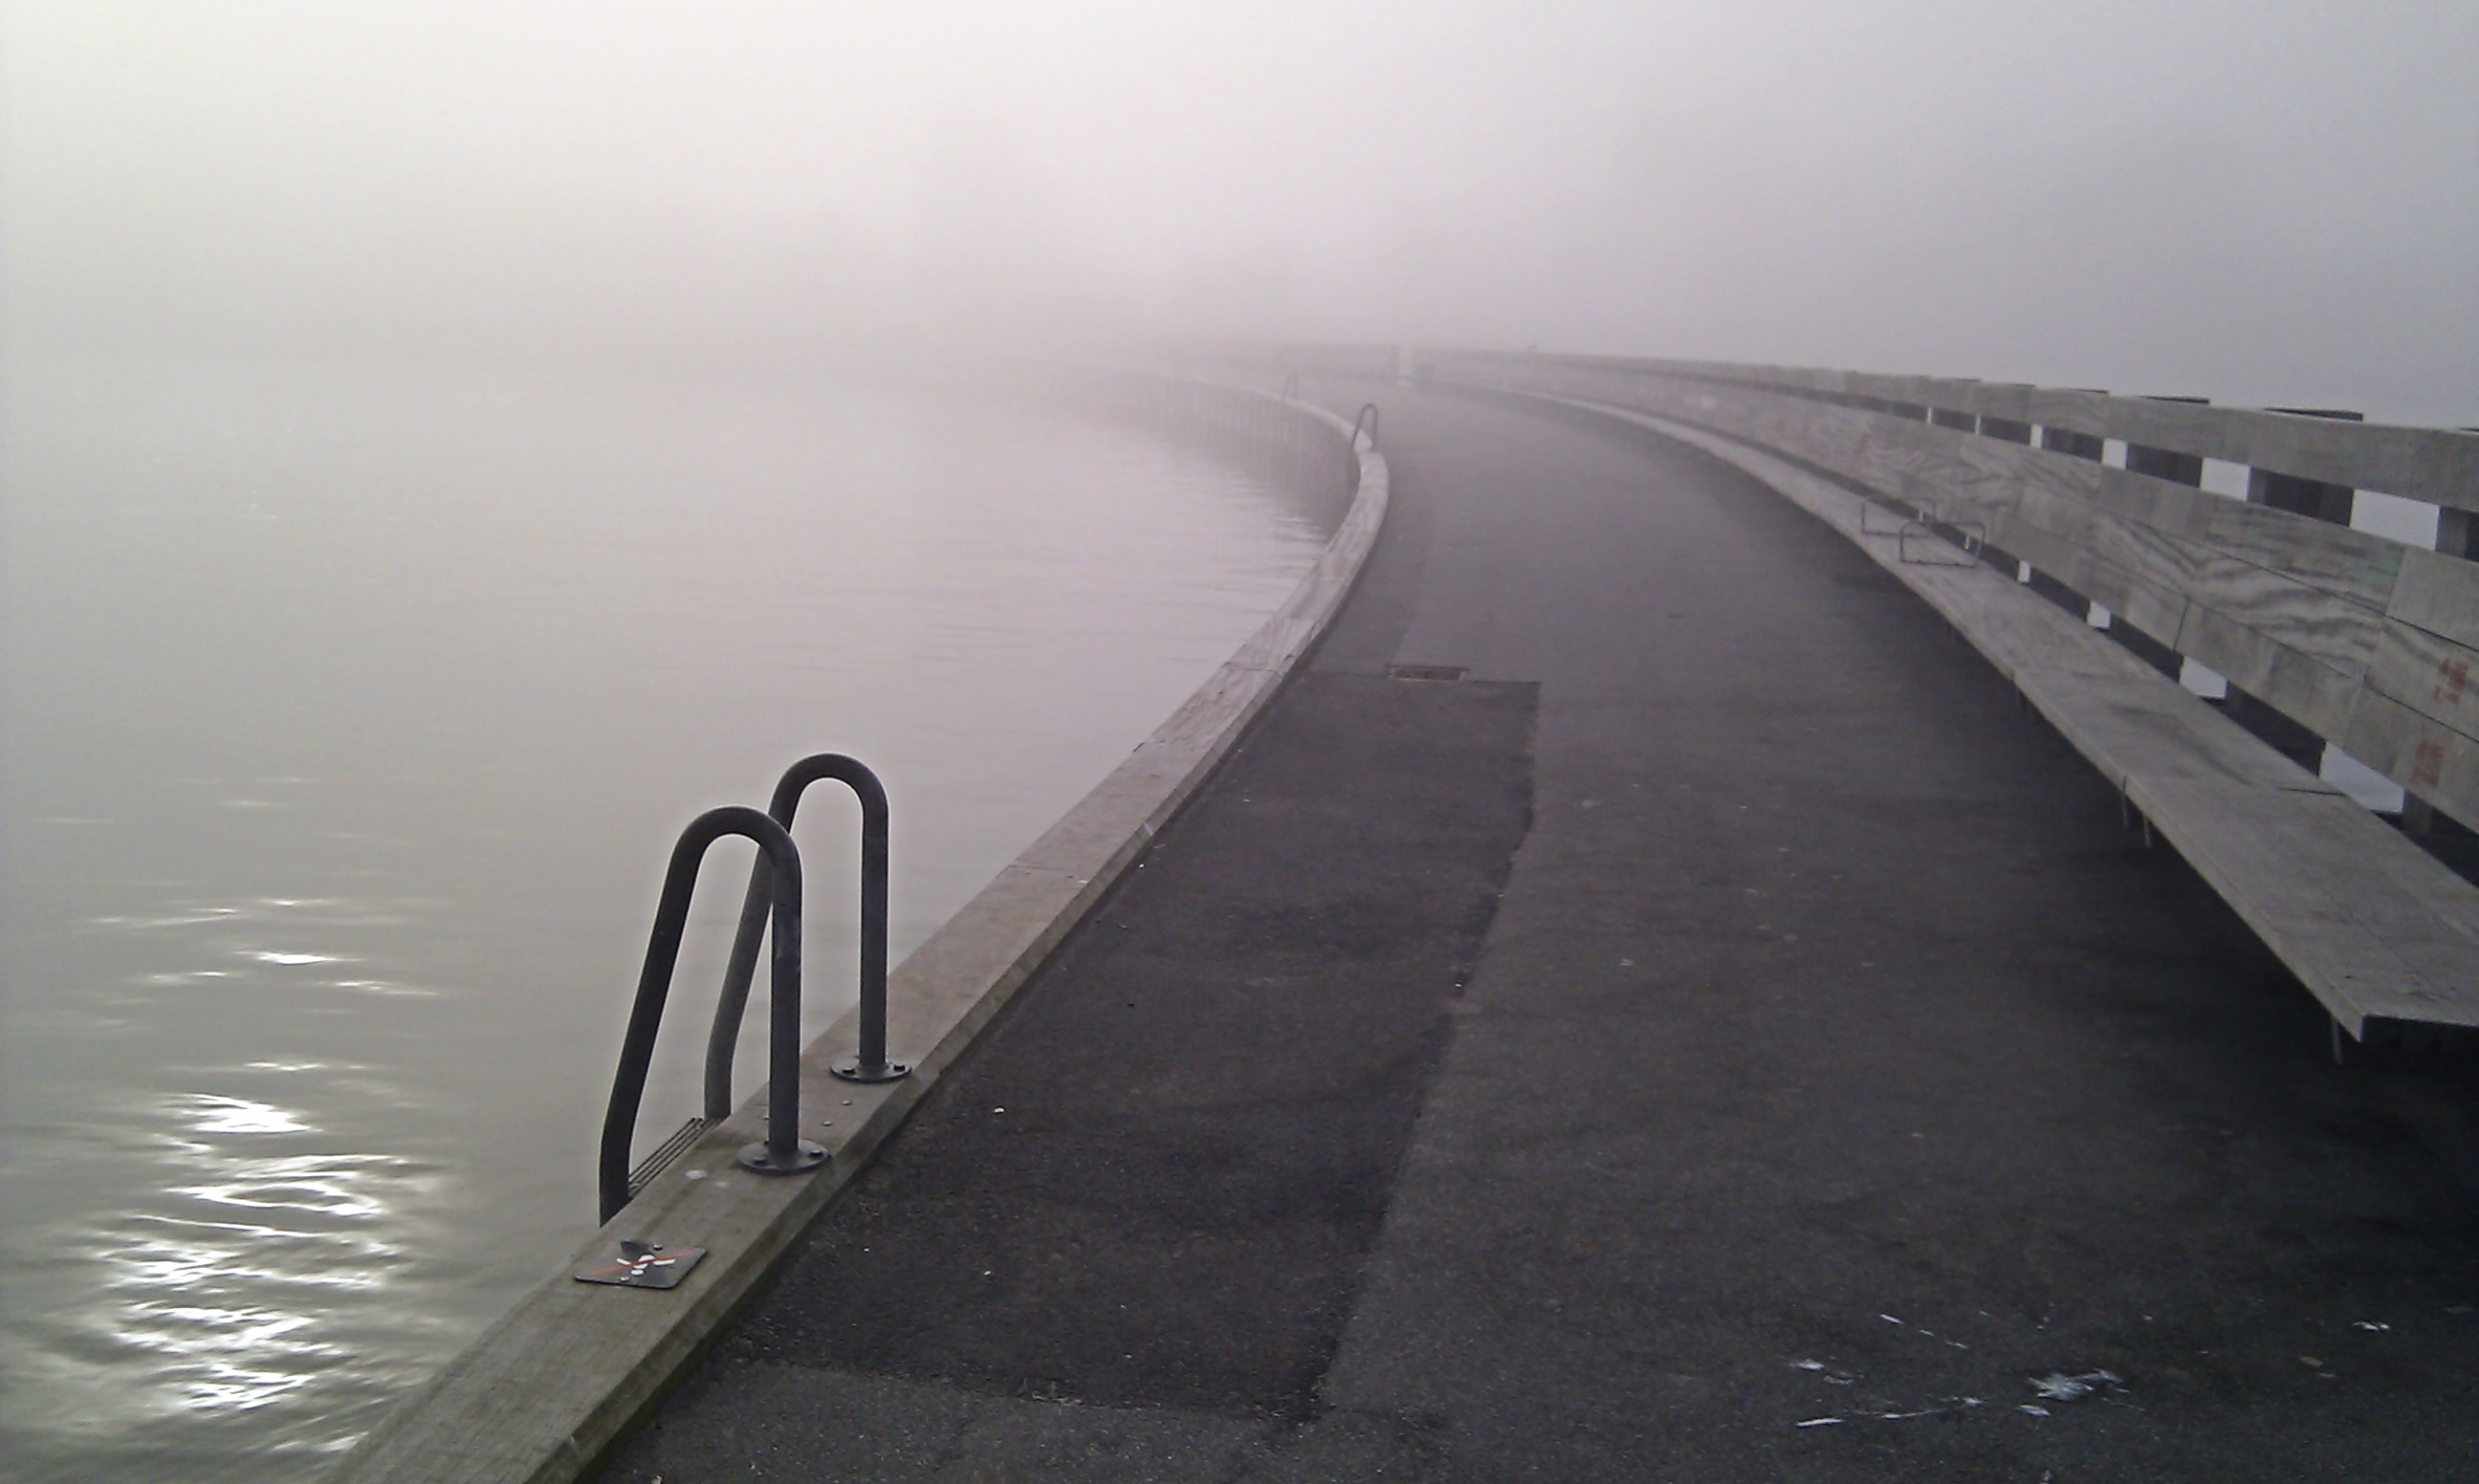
{"points": [[773, 904], [868, 1063], [782, 1151]]}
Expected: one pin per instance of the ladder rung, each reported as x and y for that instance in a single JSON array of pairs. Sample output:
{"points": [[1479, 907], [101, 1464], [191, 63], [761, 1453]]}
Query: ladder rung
{"points": [[664, 1154]]}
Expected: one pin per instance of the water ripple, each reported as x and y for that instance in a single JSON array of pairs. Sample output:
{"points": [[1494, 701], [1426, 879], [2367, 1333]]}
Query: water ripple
{"points": [[267, 1278]]}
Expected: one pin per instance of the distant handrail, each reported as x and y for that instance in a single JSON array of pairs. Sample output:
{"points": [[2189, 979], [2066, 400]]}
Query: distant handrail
{"points": [[1291, 385], [2361, 639], [869, 1063], [783, 1151], [1368, 416], [2437, 465]]}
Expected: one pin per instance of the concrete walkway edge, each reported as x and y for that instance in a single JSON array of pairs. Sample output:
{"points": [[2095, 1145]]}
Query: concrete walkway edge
{"points": [[545, 1391]]}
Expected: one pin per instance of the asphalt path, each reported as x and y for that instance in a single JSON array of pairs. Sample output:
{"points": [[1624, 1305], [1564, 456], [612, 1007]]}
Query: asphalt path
{"points": [[1719, 1036]]}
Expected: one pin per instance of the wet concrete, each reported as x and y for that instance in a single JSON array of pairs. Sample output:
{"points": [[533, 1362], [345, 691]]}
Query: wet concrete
{"points": [[1836, 1091]]}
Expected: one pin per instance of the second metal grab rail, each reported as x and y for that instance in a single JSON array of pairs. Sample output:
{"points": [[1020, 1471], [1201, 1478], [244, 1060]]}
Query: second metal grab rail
{"points": [[1368, 416], [869, 1063], [783, 1151]]}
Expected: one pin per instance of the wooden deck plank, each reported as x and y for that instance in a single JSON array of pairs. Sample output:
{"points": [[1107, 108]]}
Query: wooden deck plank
{"points": [[2429, 674], [2439, 593], [2347, 563], [2125, 725], [2340, 636], [2438, 763], [2316, 697], [2295, 870], [2429, 917]]}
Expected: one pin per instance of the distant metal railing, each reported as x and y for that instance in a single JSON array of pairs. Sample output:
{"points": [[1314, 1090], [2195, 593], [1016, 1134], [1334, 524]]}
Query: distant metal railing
{"points": [[1368, 416], [783, 1151]]}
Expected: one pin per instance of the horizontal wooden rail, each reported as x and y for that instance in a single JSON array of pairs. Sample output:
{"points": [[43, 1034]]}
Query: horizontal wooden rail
{"points": [[2370, 644], [2373, 926], [2440, 465]]}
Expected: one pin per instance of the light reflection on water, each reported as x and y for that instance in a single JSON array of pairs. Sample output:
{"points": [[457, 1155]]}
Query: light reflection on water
{"points": [[350, 716], [230, 1319]]}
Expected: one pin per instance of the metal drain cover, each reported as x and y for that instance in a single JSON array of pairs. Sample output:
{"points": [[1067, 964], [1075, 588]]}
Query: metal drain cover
{"points": [[1426, 672], [644, 1264]]}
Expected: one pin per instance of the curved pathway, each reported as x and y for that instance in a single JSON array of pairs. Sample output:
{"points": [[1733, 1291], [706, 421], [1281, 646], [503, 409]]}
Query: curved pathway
{"points": [[1717, 1037]]}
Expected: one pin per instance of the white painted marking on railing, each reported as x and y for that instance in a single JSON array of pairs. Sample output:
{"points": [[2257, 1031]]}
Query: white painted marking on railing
{"points": [[2203, 679], [2360, 782], [2225, 478], [2410, 522]]}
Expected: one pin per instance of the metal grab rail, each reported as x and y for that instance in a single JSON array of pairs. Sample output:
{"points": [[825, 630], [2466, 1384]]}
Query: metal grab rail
{"points": [[869, 1063], [1291, 385], [1367, 415], [784, 1152]]}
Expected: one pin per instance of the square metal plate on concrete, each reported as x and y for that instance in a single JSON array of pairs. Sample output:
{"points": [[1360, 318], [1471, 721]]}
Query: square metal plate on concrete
{"points": [[644, 1264]]}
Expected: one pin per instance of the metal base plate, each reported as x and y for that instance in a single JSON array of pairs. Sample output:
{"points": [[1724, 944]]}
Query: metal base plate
{"points": [[644, 1264], [805, 1156], [850, 1069]]}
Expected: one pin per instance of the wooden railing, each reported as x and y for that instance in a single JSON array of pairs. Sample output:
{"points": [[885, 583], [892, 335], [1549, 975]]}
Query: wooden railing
{"points": [[2368, 641]]}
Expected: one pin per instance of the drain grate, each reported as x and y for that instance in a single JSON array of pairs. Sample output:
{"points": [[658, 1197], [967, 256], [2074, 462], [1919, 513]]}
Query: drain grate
{"points": [[1426, 672]]}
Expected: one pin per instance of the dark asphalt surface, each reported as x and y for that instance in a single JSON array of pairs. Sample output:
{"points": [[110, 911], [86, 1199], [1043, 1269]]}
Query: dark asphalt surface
{"points": [[1835, 1091]]}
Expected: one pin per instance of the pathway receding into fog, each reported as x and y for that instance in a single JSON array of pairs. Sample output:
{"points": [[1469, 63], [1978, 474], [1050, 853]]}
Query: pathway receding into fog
{"points": [[1702, 1028]]}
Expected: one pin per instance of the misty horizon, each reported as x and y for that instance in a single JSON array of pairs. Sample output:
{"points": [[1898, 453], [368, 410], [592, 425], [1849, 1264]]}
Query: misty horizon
{"points": [[2260, 206]]}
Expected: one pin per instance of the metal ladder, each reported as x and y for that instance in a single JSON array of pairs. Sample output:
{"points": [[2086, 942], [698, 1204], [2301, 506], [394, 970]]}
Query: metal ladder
{"points": [[774, 890]]}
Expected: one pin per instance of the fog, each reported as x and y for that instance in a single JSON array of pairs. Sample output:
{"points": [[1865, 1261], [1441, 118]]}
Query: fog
{"points": [[2259, 202]]}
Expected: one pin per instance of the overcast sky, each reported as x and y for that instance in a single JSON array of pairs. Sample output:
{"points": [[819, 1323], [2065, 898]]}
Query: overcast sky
{"points": [[2261, 202]]}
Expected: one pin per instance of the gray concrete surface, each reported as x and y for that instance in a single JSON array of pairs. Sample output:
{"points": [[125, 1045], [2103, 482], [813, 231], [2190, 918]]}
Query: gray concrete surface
{"points": [[1835, 1091]]}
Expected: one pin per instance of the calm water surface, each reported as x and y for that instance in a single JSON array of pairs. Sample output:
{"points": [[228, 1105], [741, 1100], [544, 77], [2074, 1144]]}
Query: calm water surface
{"points": [[349, 714]]}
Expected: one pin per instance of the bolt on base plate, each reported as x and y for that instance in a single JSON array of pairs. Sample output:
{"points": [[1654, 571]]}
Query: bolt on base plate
{"points": [[851, 1069], [805, 1156]]}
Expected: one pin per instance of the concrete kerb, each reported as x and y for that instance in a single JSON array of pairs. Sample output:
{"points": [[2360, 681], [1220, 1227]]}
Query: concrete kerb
{"points": [[546, 1389]]}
